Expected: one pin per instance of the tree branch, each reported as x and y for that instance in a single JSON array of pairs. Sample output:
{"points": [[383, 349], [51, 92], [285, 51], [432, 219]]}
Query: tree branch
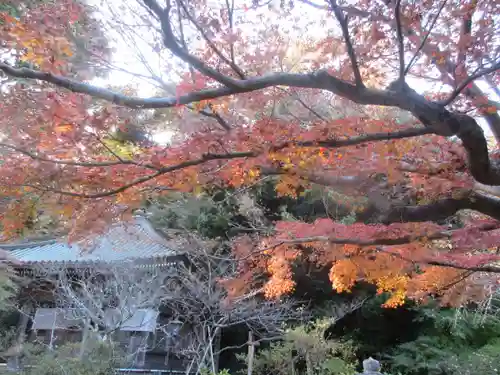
{"points": [[309, 108], [395, 241], [472, 92], [467, 129], [466, 31], [230, 16], [382, 136], [399, 32], [213, 114], [355, 241], [433, 115], [170, 42], [343, 20], [139, 181], [320, 79], [296, 96], [374, 242], [489, 269], [212, 45], [227, 156], [424, 40], [35, 156], [439, 210], [314, 5], [467, 81]]}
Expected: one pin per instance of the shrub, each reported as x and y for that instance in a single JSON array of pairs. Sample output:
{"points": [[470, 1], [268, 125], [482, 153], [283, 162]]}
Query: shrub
{"points": [[450, 344], [99, 358], [304, 350], [485, 361]]}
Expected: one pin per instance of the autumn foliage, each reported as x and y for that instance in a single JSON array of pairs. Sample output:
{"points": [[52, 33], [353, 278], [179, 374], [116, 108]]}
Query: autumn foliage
{"points": [[338, 112]]}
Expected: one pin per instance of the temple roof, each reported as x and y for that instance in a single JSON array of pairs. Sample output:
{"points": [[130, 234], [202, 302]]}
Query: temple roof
{"points": [[135, 240]]}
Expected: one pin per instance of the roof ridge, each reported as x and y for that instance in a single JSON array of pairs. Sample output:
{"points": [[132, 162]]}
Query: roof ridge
{"points": [[148, 226], [137, 219], [27, 245]]}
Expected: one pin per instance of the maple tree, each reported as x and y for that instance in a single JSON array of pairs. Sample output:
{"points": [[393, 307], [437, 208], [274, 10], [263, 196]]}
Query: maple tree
{"points": [[246, 107]]}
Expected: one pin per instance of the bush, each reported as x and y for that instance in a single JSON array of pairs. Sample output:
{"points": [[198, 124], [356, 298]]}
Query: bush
{"points": [[304, 350], [99, 359], [450, 344], [485, 361]]}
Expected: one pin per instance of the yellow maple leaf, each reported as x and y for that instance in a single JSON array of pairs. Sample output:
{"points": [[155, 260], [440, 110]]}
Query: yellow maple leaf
{"points": [[198, 190], [253, 173], [66, 50], [33, 57], [129, 198], [30, 43], [66, 210], [64, 128], [396, 299]]}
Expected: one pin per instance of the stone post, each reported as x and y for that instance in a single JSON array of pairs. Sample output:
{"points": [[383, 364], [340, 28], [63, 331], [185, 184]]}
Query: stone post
{"points": [[371, 367], [13, 353]]}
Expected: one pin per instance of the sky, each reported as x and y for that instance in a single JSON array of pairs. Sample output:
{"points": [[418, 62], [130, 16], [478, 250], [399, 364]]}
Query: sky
{"points": [[127, 56]]}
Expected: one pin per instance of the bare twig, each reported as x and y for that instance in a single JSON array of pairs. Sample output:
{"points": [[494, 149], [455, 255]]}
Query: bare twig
{"points": [[343, 20], [314, 5], [212, 45], [306, 106], [431, 262], [399, 32], [424, 40], [469, 80], [210, 112], [230, 15], [466, 30], [171, 43], [35, 156], [215, 115]]}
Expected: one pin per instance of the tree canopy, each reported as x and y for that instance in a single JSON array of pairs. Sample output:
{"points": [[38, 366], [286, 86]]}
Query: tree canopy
{"points": [[384, 103]]}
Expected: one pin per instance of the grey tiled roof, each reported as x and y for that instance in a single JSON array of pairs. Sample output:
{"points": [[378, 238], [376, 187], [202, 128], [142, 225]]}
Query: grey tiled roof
{"points": [[123, 241]]}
